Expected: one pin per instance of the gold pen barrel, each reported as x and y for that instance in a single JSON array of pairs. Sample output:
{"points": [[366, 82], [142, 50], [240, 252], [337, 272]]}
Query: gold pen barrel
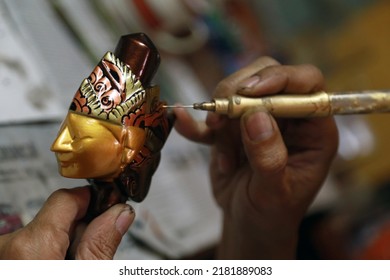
{"points": [[320, 104], [291, 106]]}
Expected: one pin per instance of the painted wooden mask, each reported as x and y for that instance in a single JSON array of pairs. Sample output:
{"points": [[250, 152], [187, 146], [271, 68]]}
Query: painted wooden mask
{"points": [[116, 125]]}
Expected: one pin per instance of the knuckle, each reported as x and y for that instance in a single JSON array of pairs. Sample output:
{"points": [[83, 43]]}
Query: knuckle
{"points": [[312, 68], [271, 163], [63, 197], [59, 194], [224, 88], [266, 61], [276, 163], [313, 74]]}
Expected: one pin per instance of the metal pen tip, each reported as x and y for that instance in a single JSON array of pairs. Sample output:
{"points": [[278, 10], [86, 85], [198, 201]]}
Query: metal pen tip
{"points": [[177, 106], [198, 106], [206, 106]]}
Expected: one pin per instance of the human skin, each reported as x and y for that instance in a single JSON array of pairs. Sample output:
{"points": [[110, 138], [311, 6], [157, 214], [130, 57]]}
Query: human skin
{"points": [[58, 230], [264, 172]]}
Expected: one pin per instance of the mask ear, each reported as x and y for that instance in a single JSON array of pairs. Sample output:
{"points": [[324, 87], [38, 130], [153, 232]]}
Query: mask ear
{"points": [[134, 140]]}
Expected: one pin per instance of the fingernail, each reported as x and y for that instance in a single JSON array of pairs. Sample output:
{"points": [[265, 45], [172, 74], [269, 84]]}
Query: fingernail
{"points": [[249, 83], [258, 126], [125, 219]]}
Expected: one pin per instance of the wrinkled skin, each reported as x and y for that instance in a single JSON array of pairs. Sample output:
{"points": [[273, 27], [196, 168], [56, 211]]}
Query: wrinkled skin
{"points": [[58, 230], [264, 172]]}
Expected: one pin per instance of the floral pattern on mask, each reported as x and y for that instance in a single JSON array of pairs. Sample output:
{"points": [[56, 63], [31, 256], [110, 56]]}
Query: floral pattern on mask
{"points": [[111, 92]]}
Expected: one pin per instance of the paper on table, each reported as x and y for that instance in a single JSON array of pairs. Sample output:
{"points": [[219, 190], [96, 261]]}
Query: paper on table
{"points": [[40, 63], [25, 94]]}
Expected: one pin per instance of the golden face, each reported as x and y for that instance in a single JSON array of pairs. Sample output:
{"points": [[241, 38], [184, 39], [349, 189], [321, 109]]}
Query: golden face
{"points": [[87, 147]]}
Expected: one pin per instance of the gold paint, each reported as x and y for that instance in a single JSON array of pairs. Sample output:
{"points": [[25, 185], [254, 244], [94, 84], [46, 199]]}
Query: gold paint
{"points": [[88, 147]]}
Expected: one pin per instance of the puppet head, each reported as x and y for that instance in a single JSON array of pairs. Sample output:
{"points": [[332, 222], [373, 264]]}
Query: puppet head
{"points": [[116, 124]]}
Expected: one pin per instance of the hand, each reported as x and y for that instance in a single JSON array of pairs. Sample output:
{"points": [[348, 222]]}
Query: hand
{"points": [[57, 230], [264, 172]]}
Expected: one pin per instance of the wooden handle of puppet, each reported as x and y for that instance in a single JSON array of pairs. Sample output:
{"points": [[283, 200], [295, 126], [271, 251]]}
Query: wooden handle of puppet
{"points": [[103, 196]]}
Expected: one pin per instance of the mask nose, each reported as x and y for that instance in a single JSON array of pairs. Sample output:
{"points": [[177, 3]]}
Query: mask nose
{"points": [[63, 142]]}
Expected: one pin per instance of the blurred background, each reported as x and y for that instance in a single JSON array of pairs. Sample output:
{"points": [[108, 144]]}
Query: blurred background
{"points": [[48, 46]]}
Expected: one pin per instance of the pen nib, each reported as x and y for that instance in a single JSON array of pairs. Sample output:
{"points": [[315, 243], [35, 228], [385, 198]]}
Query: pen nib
{"points": [[178, 106], [206, 106]]}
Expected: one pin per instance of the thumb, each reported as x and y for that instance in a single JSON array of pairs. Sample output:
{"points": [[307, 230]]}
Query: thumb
{"points": [[263, 143], [102, 236]]}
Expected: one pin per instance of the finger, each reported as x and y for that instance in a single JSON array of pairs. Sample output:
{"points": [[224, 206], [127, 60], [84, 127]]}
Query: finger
{"points": [[52, 225], [103, 235], [308, 148], [191, 129], [227, 148], [5, 253], [287, 79], [263, 144], [71, 204], [231, 84], [312, 144], [227, 155]]}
